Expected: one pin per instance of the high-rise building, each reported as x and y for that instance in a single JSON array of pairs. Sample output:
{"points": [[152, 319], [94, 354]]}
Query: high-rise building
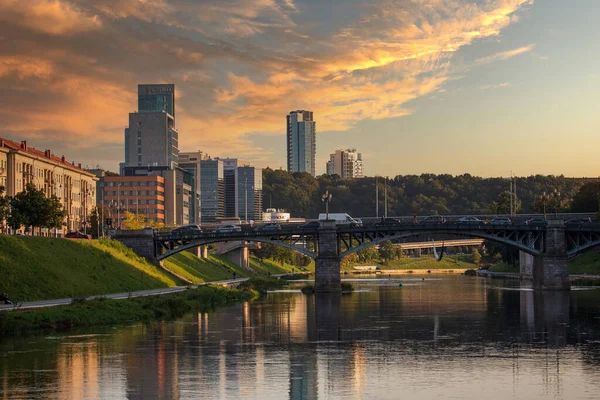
{"points": [[230, 173], [250, 193], [151, 139], [301, 142], [157, 98], [212, 190], [345, 163], [190, 162]]}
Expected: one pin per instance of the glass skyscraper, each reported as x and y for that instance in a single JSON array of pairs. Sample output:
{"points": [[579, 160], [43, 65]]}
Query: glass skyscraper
{"points": [[212, 190], [157, 98], [301, 142], [250, 193]]}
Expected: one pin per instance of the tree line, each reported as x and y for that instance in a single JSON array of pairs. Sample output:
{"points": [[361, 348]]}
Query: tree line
{"points": [[31, 208], [428, 194]]}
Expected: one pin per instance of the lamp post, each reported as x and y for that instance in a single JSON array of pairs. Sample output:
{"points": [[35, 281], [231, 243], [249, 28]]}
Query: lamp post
{"points": [[385, 195], [377, 196], [246, 200], [544, 199], [556, 195], [326, 198], [119, 204]]}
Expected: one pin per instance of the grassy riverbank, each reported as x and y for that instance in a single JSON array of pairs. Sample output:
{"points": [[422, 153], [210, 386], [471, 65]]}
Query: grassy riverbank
{"points": [[102, 312], [37, 268], [419, 263], [584, 264], [199, 270]]}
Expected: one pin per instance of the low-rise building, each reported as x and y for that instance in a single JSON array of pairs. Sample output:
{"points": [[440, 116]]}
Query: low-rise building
{"points": [[75, 187], [345, 163]]}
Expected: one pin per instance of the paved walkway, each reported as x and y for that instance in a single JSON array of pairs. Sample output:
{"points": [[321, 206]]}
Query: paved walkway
{"points": [[116, 296], [26, 305]]}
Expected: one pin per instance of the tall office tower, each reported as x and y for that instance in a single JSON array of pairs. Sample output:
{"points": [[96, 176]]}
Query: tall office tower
{"points": [[250, 193], [190, 162], [230, 178], [301, 142], [212, 190], [151, 140], [345, 163], [157, 98]]}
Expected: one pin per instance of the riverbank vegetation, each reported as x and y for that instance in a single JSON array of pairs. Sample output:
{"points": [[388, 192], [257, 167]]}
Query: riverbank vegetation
{"points": [[40, 268], [199, 270], [102, 312]]}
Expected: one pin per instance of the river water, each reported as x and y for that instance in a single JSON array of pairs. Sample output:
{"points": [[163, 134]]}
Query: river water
{"points": [[439, 338]]}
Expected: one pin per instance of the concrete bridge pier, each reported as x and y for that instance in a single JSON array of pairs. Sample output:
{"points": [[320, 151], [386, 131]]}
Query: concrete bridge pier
{"points": [[328, 262], [550, 269]]}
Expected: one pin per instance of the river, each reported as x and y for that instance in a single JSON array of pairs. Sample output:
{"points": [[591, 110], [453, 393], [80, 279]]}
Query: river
{"points": [[438, 338]]}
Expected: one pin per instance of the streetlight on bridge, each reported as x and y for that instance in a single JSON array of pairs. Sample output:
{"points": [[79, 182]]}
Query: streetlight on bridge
{"points": [[326, 198]]}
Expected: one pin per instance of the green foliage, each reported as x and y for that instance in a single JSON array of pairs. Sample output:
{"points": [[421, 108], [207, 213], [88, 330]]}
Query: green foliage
{"points": [[347, 287], [35, 268], [422, 194], [31, 208], [282, 255], [587, 199], [476, 256], [367, 254], [4, 205], [103, 311], [387, 251], [133, 221], [199, 270], [262, 283]]}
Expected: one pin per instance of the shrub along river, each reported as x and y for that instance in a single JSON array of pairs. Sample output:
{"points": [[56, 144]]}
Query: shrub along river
{"points": [[442, 337]]}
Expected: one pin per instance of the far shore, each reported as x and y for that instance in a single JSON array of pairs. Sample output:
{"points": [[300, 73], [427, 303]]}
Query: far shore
{"points": [[409, 271]]}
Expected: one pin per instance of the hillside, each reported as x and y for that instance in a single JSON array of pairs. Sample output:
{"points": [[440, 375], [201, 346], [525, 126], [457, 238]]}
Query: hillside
{"points": [[35, 268]]}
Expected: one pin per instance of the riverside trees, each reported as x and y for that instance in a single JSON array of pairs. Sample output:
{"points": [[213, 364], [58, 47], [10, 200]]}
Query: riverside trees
{"points": [[31, 208]]}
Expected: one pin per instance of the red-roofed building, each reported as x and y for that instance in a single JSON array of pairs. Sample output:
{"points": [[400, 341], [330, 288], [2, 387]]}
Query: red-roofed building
{"points": [[74, 186]]}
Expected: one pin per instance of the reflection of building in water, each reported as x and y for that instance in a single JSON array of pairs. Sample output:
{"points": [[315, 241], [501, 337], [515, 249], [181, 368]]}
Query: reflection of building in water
{"points": [[304, 380], [359, 366], [298, 320], [77, 368]]}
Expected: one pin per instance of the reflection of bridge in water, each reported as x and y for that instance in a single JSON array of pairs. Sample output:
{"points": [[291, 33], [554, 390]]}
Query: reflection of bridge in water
{"points": [[327, 244]]}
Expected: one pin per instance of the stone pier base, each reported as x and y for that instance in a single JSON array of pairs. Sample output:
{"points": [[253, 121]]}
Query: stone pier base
{"points": [[550, 272], [327, 274]]}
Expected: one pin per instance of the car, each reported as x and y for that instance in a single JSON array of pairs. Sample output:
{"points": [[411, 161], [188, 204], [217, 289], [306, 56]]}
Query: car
{"points": [[187, 229], [387, 222], [433, 219], [357, 222], [269, 228], [578, 221], [500, 221], [469, 221], [77, 235], [229, 229], [536, 222]]}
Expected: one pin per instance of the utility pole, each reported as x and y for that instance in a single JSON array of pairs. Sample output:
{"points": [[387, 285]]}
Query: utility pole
{"points": [[377, 196], [511, 195], [385, 195], [515, 191], [246, 199]]}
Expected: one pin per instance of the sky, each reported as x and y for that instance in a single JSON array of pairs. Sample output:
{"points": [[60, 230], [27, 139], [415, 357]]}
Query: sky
{"points": [[486, 87]]}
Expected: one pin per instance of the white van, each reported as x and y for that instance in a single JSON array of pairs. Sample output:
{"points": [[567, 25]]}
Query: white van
{"points": [[340, 219]]}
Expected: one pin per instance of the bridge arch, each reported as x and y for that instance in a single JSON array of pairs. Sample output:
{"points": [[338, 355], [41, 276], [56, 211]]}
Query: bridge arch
{"points": [[203, 242], [461, 233]]}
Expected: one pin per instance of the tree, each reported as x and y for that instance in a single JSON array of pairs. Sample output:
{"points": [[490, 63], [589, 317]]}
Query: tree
{"points": [[476, 257], [366, 254], [133, 222], [587, 199], [387, 251], [31, 208], [4, 205], [94, 222]]}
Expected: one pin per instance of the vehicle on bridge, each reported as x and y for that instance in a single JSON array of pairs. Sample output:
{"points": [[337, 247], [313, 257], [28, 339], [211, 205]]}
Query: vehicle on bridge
{"points": [[229, 229], [269, 228], [470, 221], [311, 226], [188, 229], [77, 235], [433, 219], [340, 219], [388, 221], [536, 222], [578, 221], [500, 221]]}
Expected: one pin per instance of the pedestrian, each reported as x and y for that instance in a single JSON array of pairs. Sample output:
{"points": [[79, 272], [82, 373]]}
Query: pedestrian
{"points": [[234, 275], [415, 218]]}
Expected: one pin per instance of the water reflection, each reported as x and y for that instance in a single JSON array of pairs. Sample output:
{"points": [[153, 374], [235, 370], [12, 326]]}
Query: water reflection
{"points": [[454, 337]]}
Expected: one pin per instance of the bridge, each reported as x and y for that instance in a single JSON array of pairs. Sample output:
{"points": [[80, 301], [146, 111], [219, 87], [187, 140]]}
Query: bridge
{"points": [[328, 243]]}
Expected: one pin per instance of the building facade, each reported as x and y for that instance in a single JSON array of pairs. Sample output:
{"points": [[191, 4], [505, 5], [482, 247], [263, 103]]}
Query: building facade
{"points": [[212, 190], [157, 98], [347, 164], [140, 195], [21, 165], [151, 140], [250, 193], [230, 179], [301, 142], [190, 162]]}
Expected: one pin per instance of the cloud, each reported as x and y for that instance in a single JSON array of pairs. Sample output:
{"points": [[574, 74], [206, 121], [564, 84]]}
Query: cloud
{"points": [[505, 55], [239, 66], [496, 86]]}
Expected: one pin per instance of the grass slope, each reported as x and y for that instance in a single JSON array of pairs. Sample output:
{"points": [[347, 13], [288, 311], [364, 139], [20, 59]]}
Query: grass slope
{"points": [[587, 263], [421, 263], [266, 266], [36, 268], [199, 270]]}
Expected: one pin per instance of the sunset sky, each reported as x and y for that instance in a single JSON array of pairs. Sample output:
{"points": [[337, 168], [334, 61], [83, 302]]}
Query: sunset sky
{"points": [[442, 86]]}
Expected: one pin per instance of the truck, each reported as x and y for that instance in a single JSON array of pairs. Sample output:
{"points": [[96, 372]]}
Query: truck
{"points": [[341, 219]]}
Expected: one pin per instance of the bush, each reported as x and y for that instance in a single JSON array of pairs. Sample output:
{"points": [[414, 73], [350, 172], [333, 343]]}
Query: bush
{"points": [[347, 287], [471, 272], [307, 289]]}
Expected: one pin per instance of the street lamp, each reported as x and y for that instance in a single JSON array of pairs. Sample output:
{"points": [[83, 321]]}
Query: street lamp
{"points": [[544, 199], [326, 198], [556, 195]]}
